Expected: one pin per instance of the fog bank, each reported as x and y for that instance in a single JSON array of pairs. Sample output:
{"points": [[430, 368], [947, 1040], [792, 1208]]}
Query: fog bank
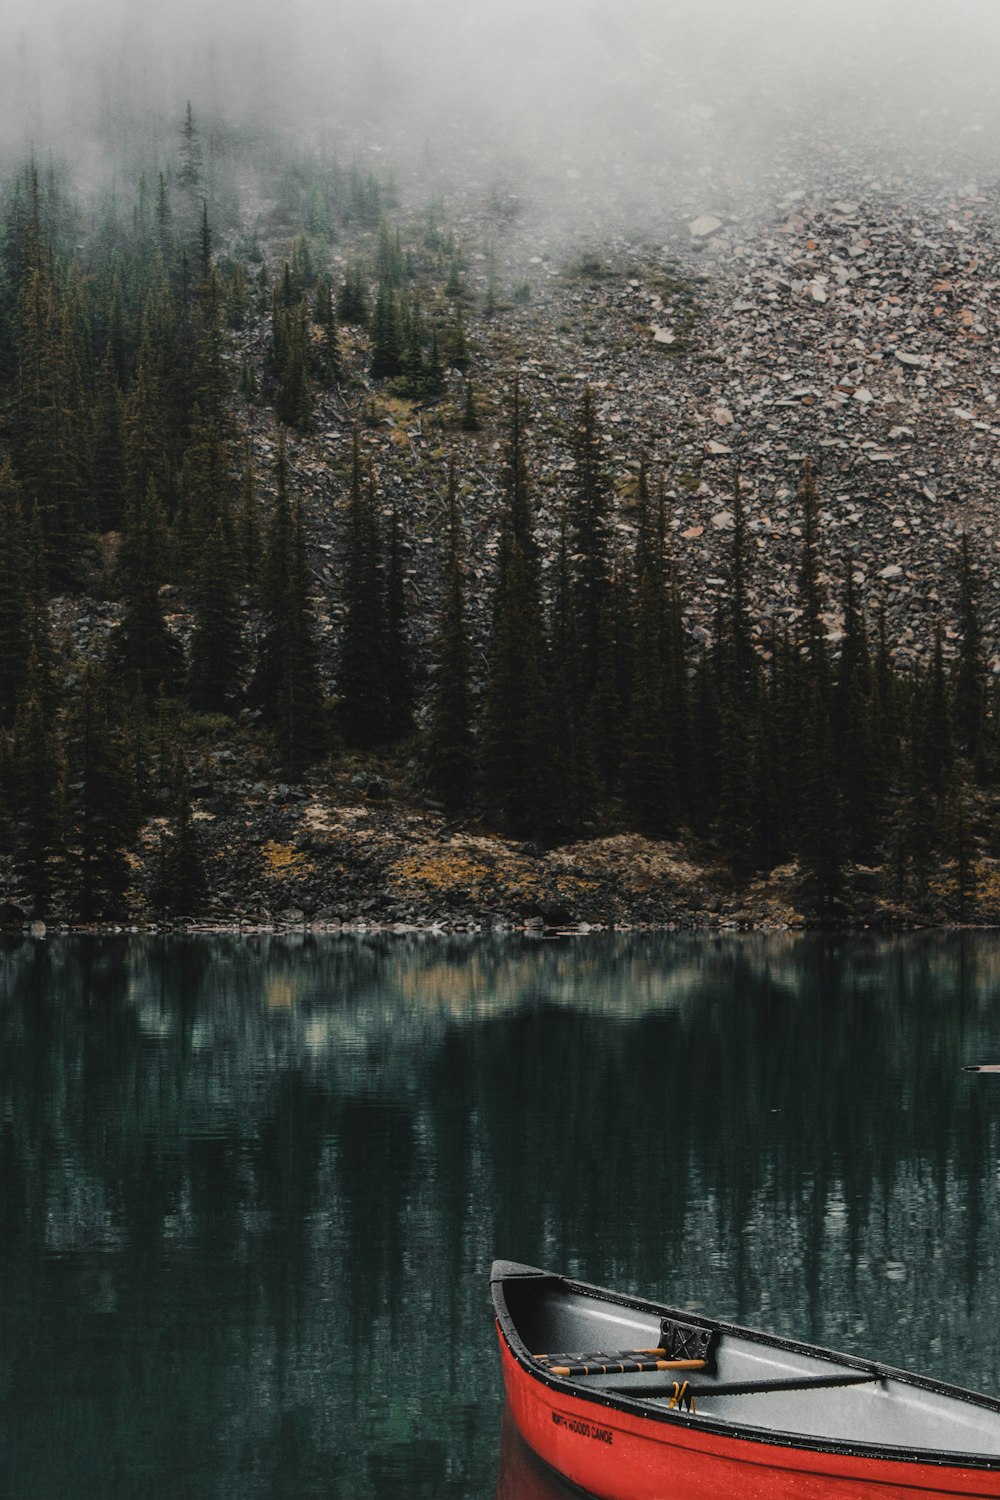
{"points": [[616, 89]]}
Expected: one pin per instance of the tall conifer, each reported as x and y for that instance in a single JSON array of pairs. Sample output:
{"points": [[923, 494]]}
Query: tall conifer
{"points": [[217, 660], [516, 741], [144, 643], [590, 534], [361, 683], [13, 593], [449, 751], [969, 674], [287, 682], [813, 635]]}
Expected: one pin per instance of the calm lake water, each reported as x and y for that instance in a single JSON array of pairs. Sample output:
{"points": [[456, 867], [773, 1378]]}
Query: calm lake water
{"points": [[250, 1189]]}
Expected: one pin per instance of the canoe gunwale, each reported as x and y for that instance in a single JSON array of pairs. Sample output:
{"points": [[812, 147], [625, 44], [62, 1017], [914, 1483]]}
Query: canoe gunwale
{"points": [[641, 1406]]}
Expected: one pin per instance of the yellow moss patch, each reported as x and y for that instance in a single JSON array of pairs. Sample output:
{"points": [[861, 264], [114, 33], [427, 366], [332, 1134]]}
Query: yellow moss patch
{"points": [[570, 883], [447, 871], [282, 859], [984, 882]]}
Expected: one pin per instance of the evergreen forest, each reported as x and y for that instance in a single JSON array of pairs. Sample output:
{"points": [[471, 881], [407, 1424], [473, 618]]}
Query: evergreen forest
{"points": [[192, 570]]}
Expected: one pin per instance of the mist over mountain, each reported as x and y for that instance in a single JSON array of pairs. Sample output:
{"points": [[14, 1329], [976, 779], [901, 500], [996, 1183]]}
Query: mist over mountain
{"points": [[634, 96]]}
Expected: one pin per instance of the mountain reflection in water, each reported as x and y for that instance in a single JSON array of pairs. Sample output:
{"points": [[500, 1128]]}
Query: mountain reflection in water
{"points": [[250, 1188]]}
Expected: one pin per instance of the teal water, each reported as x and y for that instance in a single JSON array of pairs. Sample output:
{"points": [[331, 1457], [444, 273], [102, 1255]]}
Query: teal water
{"points": [[250, 1188]]}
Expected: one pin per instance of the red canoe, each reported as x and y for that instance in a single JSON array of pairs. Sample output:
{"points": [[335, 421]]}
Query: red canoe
{"points": [[634, 1401]]}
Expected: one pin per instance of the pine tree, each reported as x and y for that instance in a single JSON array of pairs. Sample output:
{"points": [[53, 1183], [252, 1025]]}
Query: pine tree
{"points": [[352, 299], [769, 843], [913, 836], [146, 457], [400, 687], [705, 740], [109, 466], [574, 780], [293, 361], [857, 747], [787, 707], [205, 490], [217, 652], [49, 432], [208, 381], [737, 787], [13, 593], [517, 738], [449, 753], [327, 357], [189, 174], [302, 264], [433, 381], [744, 664], [166, 743], [676, 685], [649, 772], [458, 344], [39, 633], [137, 742], [361, 684], [248, 528], [887, 716], [412, 364], [164, 219], [388, 256], [932, 731], [820, 834], [741, 731], [968, 696], [810, 587], [590, 531], [144, 643], [301, 727], [204, 245], [287, 683], [386, 355], [958, 845]]}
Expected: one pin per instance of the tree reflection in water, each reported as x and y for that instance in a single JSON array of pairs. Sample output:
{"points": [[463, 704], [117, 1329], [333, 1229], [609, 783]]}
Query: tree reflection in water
{"points": [[250, 1188]]}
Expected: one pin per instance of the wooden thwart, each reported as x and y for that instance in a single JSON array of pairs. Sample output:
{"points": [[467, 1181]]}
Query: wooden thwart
{"points": [[761, 1387]]}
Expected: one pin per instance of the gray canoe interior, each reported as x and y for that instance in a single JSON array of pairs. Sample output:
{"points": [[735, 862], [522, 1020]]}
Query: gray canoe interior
{"points": [[551, 1319]]}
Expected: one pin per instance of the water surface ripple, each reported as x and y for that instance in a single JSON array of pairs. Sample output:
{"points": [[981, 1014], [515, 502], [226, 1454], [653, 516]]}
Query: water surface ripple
{"points": [[250, 1188]]}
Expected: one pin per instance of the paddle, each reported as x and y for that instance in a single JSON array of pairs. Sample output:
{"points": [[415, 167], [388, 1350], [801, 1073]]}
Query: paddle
{"points": [[981, 1068], [628, 1362]]}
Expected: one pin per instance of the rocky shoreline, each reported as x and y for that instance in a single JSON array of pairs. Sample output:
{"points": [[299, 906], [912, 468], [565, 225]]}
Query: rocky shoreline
{"points": [[356, 853]]}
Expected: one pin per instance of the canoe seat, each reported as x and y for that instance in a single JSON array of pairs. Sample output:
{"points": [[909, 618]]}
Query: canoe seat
{"points": [[683, 1346]]}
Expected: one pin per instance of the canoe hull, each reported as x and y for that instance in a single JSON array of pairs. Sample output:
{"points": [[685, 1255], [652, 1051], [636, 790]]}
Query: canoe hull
{"points": [[615, 1455]]}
